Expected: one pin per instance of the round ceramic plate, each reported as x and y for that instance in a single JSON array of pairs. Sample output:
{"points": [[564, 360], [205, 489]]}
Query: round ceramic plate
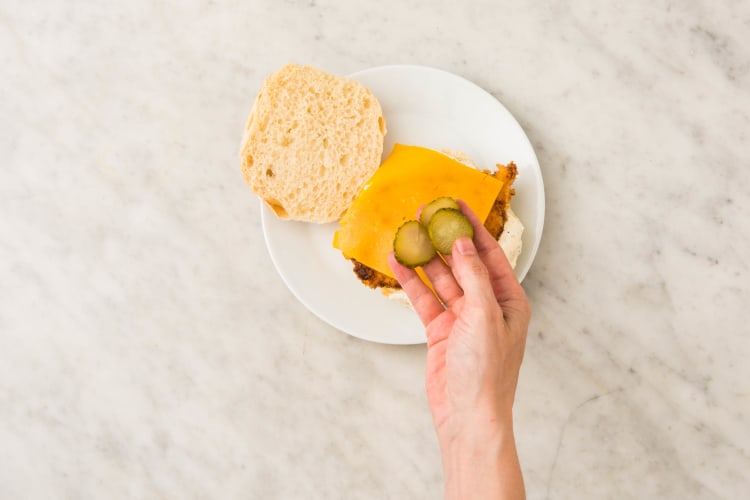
{"points": [[423, 107]]}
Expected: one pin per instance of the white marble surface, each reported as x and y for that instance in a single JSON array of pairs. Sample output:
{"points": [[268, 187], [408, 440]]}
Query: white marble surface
{"points": [[148, 349]]}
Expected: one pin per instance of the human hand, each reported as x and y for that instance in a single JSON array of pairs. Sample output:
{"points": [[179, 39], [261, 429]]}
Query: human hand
{"points": [[476, 334]]}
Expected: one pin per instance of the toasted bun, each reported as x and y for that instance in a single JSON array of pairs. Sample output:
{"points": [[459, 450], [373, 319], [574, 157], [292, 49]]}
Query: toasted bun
{"points": [[311, 142]]}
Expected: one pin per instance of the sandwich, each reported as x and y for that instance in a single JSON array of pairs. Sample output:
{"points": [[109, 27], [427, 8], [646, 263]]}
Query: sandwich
{"points": [[312, 151], [411, 177]]}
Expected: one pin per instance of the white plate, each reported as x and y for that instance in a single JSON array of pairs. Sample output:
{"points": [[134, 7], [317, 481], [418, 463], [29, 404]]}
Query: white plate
{"points": [[424, 107]]}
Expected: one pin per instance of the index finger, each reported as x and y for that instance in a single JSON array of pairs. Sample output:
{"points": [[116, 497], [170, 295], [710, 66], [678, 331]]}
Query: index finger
{"points": [[503, 279]]}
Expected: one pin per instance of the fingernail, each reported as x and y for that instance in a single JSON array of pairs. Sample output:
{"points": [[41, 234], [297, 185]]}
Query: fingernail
{"points": [[465, 246]]}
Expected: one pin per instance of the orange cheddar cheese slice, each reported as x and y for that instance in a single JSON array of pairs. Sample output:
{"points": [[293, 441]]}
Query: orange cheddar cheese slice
{"points": [[410, 177]]}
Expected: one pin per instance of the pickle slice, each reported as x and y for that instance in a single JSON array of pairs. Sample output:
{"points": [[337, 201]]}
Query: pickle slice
{"points": [[429, 210], [412, 246], [446, 226]]}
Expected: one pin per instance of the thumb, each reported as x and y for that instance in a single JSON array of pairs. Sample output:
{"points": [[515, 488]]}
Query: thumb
{"points": [[471, 273]]}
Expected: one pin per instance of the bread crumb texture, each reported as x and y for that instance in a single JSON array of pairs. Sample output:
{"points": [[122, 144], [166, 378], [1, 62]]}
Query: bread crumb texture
{"points": [[311, 141]]}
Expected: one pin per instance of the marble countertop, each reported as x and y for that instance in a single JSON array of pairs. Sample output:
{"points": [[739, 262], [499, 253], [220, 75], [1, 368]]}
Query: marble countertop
{"points": [[148, 348]]}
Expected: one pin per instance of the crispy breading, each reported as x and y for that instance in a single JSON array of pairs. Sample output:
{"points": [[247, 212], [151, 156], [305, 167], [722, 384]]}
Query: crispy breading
{"points": [[373, 278], [494, 223], [498, 215]]}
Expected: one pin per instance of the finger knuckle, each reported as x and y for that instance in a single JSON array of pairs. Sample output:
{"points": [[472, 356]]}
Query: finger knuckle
{"points": [[476, 268]]}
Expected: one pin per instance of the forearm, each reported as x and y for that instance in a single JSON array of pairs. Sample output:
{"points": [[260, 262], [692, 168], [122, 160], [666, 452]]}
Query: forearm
{"points": [[483, 464]]}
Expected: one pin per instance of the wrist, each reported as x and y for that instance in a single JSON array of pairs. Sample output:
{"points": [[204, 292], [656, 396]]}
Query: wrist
{"points": [[469, 429], [475, 434], [480, 460]]}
